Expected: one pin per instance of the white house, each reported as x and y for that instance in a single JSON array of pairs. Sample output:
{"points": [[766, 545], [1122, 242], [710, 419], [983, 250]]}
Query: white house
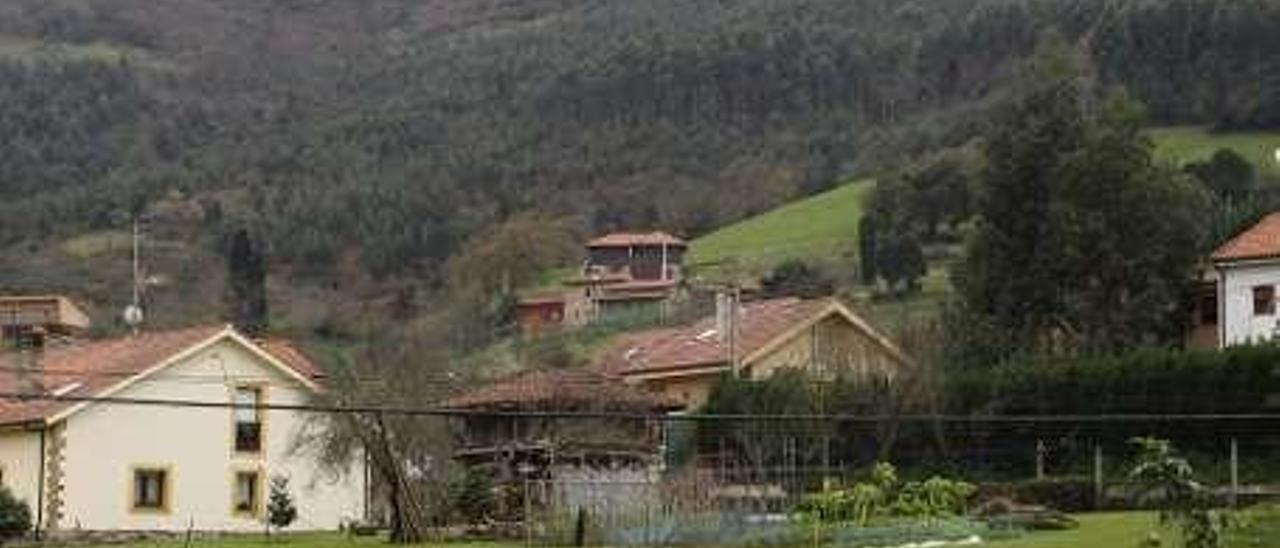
{"points": [[1240, 305], [110, 465]]}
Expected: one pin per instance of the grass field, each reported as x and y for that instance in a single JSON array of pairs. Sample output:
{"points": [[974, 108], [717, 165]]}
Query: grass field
{"points": [[28, 48], [823, 227], [1183, 144], [316, 540], [1108, 530], [1102, 530]]}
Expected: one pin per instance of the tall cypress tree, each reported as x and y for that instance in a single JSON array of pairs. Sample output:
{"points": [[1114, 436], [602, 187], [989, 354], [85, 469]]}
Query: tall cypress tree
{"points": [[867, 234], [246, 297]]}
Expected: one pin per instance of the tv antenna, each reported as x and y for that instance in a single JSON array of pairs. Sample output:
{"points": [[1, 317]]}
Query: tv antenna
{"points": [[133, 315]]}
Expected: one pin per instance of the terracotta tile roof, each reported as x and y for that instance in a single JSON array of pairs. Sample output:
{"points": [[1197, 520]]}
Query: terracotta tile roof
{"points": [[627, 239], [699, 345], [291, 356], [574, 389], [91, 368], [1259, 241]]}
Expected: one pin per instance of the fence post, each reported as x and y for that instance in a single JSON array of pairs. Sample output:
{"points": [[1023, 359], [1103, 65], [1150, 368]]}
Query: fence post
{"points": [[1039, 460], [1098, 488], [1235, 472]]}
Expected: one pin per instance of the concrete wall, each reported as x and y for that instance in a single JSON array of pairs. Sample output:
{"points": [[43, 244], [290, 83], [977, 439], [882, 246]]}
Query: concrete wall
{"points": [[19, 462], [105, 442], [1235, 298]]}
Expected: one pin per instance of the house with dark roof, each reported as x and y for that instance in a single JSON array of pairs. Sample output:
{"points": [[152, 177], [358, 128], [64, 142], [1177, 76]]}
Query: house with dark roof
{"points": [[822, 336], [624, 274], [491, 429], [551, 426], [1237, 297], [90, 442]]}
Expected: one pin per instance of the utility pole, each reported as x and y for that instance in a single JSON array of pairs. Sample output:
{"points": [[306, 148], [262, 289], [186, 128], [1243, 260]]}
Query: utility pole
{"points": [[133, 312]]}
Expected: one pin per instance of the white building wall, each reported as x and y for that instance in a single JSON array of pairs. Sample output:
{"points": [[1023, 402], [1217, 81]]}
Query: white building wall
{"points": [[1235, 300], [20, 465], [196, 445]]}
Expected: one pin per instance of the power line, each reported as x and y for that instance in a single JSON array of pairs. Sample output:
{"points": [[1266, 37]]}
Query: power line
{"points": [[696, 417]]}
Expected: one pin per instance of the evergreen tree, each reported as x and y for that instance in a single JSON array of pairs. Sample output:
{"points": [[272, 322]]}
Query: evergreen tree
{"points": [[15, 516], [246, 297], [281, 511], [797, 278], [1084, 244], [1226, 173], [900, 260], [867, 234]]}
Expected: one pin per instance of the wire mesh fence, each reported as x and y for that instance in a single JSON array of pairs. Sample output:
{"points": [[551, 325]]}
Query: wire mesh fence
{"points": [[707, 481]]}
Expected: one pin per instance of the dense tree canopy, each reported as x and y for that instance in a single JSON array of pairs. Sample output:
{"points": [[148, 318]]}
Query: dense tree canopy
{"points": [[1083, 243], [393, 132]]}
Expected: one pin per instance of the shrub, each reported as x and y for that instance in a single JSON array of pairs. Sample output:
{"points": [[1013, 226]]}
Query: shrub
{"points": [[15, 516], [471, 496], [884, 496], [1070, 494], [281, 511]]}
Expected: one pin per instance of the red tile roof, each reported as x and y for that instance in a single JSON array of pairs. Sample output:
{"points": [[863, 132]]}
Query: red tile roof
{"points": [[700, 346], [628, 239], [560, 390], [1260, 241], [92, 368], [290, 355]]}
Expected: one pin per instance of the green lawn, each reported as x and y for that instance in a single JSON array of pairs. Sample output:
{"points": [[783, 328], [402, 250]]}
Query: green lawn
{"points": [[823, 227], [1189, 143], [308, 540], [1102, 530], [1106, 530]]}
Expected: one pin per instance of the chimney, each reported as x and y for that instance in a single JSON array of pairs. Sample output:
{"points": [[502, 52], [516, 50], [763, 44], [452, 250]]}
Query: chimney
{"points": [[722, 315]]}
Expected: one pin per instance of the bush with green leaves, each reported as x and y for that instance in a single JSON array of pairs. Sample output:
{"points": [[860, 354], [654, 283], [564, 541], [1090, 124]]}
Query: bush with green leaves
{"points": [[1185, 504], [471, 495], [883, 495], [15, 516]]}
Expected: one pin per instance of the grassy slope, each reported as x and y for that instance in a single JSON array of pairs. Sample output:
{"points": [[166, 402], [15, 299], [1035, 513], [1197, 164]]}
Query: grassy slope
{"points": [[823, 227], [1189, 143]]}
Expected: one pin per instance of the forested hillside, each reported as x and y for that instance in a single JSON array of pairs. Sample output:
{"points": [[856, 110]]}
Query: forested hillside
{"points": [[377, 137]]}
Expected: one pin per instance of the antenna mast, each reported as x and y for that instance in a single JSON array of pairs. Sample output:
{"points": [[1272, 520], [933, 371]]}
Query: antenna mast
{"points": [[133, 312]]}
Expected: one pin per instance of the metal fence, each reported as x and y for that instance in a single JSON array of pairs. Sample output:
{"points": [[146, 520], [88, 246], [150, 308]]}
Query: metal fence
{"points": [[740, 481]]}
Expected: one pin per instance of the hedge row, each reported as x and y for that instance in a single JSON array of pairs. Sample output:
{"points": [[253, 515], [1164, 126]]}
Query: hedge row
{"points": [[1148, 381]]}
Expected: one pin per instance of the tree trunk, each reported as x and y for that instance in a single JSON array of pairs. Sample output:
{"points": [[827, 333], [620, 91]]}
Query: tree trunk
{"points": [[408, 516]]}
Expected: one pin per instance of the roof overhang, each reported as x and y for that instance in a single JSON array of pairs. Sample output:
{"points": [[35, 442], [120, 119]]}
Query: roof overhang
{"points": [[226, 334]]}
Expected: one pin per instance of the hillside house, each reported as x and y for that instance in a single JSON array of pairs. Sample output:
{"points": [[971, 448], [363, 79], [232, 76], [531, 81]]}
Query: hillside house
{"points": [[30, 321], [625, 274], [1236, 297], [821, 336], [83, 463]]}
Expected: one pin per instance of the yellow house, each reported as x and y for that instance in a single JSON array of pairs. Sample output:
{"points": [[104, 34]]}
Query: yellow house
{"points": [[822, 336], [78, 446]]}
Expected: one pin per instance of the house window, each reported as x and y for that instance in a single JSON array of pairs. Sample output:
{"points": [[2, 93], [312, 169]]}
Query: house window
{"points": [[248, 419], [1264, 300], [150, 489], [247, 493]]}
